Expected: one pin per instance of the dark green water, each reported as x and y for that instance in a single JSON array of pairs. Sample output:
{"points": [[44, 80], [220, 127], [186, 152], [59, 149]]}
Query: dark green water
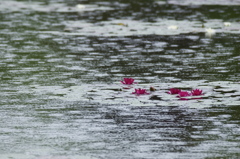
{"points": [[61, 64]]}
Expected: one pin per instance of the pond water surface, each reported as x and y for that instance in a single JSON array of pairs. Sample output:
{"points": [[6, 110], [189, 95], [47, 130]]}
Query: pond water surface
{"points": [[61, 63]]}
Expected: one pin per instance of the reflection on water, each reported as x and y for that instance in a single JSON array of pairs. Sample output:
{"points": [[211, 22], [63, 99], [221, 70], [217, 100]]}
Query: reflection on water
{"points": [[61, 67]]}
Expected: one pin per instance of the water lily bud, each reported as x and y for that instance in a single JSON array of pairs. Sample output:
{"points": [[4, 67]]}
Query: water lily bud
{"points": [[172, 27], [210, 32], [80, 6], [152, 89], [227, 24]]}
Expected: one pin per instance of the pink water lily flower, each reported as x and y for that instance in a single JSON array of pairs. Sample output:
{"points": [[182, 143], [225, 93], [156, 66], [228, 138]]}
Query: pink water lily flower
{"points": [[174, 91], [196, 92], [140, 91], [128, 81], [183, 94]]}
